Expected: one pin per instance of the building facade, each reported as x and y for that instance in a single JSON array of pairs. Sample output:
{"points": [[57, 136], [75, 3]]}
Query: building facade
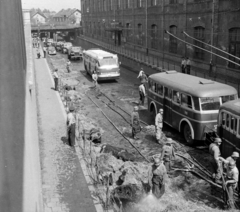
{"points": [[72, 16], [150, 24], [38, 18]]}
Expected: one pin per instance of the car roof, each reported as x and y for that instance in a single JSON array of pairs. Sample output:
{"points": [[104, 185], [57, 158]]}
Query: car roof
{"points": [[193, 85]]}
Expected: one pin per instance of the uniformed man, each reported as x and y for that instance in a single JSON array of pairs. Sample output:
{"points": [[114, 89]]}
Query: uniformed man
{"points": [[215, 162], [230, 183], [159, 124], [157, 178], [71, 126], [135, 122], [167, 154]]}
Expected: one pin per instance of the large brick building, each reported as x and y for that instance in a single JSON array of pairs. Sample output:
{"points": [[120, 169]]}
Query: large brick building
{"points": [[143, 24]]}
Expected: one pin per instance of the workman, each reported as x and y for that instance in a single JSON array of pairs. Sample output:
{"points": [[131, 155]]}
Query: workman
{"points": [[215, 162], [142, 94], [71, 126], [55, 76], [68, 66], [159, 125], [157, 178], [44, 51], [94, 78], [135, 123], [230, 183], [140, 73], [233, 157], [167, 154]]}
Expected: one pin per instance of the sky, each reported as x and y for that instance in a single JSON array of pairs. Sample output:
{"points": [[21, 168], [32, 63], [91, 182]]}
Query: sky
{"points": [[53, 5]]}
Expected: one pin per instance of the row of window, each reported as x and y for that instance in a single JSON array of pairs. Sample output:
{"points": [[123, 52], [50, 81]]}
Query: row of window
{"points": [[109, 5], [230, 122]]}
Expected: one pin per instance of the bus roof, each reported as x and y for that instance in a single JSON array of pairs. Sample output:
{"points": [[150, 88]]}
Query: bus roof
{"points": [[193, 85], [98, 53], [232, 106]]}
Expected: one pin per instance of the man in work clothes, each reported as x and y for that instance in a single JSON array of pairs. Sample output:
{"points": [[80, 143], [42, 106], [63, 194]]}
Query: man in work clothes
{"points": [[95, 78], [159, 124], [44, 51], [157, 178], [135, 123], [233, 157], [215, 162], [142, 93], [71, 126], [183, 65], [140, 73], [55, 76], [188, 65], [230, 183], [167, 154]]}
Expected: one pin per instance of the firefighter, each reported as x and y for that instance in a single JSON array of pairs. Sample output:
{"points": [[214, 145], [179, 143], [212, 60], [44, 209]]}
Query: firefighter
{"points": [[167, 154], [159, 125]]}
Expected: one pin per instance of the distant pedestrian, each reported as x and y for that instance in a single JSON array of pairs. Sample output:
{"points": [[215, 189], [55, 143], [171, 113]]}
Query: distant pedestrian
{"points": [[68, 66], [71, 126], [135, 123], [55, 76], [140, 73], [142, 94], [38, 53], [157, 178], [159, 125], [188, 65], [183, 65], [95, 78], [44, 51], [167, 154]]}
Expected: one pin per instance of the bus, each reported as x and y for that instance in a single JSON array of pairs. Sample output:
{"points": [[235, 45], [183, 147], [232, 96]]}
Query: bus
{"points": [[229, 127], [191, 104], [104, 63]]}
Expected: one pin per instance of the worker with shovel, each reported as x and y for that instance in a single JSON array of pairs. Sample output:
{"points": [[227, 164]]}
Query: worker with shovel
{"points": [[230, 182]]}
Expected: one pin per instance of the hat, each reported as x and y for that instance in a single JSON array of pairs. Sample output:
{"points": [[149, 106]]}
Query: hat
{"points": [[232, 164], [71, 108], [169, 141], [135, 107], [217, 140], [160, 110], [157, 161], [235, 155]]}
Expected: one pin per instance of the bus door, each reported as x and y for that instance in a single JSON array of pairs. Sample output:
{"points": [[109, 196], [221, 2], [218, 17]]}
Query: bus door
{"points": [[167, 106]]}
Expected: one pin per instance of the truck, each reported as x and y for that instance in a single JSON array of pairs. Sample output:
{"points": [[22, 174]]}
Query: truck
{"points": [[75, 52]]}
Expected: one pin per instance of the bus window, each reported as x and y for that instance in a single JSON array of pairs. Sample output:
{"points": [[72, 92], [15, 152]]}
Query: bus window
{"points": [[227, 120], [160, 89], [232, 122], [165, 91], [235, 126], [186, 101], [210, 103], [239, 127], [223, 119], [150, 84], [196, 103], [108, 61], [176, 97], [169, 93], [227, 98]]}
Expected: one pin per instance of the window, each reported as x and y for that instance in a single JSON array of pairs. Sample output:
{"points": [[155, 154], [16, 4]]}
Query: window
{"points": [[227, 120], [139, 3], [210, 103], [223, 119], [186, 100], [160, 90], [173, 41], [176, 97], [165, 91], [173, 1], [196, 103], [239, 127], [154, 36], [227, 98], [118, 4], [234, 46], [111, 4], [128, 31], [153, 2], [199, 33], [139, 35]]}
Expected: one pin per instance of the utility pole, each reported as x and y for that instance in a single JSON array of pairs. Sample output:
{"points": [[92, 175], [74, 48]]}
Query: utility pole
{"points": [[212, 30]]}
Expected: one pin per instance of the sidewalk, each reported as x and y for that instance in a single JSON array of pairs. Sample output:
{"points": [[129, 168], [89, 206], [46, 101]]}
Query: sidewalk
{"points": [[64, 185]]}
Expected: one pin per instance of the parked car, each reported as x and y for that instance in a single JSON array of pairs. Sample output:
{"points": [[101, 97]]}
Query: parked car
{"points": [[51, 50], [65, 47], [49, 42], [75, 52], [59, 45]]}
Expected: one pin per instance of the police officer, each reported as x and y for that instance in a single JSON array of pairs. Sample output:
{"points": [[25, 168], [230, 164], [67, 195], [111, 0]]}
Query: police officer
{"points": [[215, 162], [159, 124], [167, 154]]}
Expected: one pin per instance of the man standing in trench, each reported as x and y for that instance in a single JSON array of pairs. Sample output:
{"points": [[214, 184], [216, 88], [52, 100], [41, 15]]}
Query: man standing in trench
{"points": [[157, 178], [167, 154], [159, 125]]}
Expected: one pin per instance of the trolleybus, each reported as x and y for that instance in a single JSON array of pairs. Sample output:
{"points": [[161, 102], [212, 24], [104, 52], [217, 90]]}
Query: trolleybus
{"points": [[104, 63], [190, 103]]}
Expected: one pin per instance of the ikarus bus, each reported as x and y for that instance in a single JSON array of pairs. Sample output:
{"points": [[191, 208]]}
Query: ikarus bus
{"points": [[104, 63], [191, 104]]}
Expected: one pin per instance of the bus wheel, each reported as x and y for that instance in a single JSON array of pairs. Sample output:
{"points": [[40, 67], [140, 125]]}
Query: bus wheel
{"points": [[187, 134]]}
